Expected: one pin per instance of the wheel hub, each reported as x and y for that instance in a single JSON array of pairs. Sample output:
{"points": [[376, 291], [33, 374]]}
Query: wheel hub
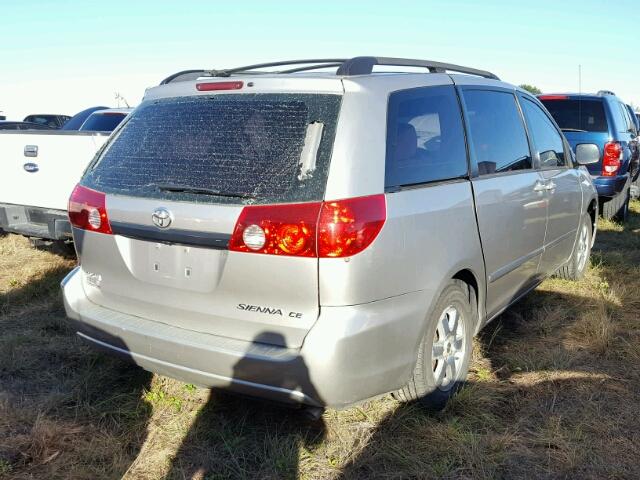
{"points": [[448, 352]]}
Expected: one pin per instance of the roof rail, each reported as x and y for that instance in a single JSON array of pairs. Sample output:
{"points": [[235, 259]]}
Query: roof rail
{"points": [[606, 92], [312, 64], [345, 67], [364, 66], [183, 76]]}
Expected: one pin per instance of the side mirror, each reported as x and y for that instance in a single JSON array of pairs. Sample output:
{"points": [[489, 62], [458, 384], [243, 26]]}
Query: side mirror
{"points": [[587, 153]]}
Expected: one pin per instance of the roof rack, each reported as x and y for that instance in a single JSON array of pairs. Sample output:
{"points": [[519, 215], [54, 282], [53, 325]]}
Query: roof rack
{"points": [[606, 92], [364, 66], [345, 67]]}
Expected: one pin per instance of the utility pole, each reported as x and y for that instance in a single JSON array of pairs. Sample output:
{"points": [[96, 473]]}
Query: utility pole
{"points": [[579, 78]]}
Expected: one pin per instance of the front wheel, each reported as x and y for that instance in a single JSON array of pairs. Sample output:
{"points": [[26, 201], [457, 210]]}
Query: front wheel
{"points": [[445, 350], [576, 267]]}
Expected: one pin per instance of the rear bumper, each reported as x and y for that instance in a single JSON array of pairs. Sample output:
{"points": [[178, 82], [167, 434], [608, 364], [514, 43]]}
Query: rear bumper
{"points": [[610, 186], [351, 354], [35, 222]]}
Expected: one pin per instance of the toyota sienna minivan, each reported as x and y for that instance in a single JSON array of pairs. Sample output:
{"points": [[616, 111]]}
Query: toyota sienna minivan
{"points": [[326, 232]]}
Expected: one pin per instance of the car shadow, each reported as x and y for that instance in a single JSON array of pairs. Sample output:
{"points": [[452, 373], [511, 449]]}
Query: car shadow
{"points": [[262, 439]]}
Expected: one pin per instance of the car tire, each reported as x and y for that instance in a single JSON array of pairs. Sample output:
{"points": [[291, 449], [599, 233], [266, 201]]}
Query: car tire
{"points": [[445, 350], [577, 265], [623, 214], [613, 209], [634, 191]]}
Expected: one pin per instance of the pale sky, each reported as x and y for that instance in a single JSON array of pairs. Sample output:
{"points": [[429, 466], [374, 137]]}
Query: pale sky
{"points": [[61, 56]]}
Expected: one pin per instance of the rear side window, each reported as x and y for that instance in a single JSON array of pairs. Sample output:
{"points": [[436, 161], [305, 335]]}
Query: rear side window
{"points": [[260, 148], [102, 122], [634, 119], [47, 120], [497, 135], [425, 137], [545, 136], [629, 124], [578, 115]]}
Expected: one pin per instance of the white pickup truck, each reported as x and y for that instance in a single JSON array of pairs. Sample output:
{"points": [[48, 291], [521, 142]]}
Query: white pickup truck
{"points": [[40, 168]]}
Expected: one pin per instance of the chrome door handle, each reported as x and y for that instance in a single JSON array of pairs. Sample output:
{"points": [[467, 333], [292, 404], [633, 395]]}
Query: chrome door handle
{"points": [[539, 186], [31, 151]]}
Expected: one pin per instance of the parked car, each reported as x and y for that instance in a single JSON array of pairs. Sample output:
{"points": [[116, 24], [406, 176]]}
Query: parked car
{"points": [[323, 238], [11, 125], [105, 120], [38, 171], [602, 119], [79, 118], [53, 121]]}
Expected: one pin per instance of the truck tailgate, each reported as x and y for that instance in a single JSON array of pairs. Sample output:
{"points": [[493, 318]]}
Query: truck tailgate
{"points": [[41, 169]]}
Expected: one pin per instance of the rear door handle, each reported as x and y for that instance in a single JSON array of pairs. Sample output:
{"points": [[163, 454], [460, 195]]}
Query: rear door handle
{"points": [[540, 186]]}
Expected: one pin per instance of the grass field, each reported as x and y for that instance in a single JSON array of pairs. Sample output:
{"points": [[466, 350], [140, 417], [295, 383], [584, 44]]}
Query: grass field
{"points": [[554, 393]]}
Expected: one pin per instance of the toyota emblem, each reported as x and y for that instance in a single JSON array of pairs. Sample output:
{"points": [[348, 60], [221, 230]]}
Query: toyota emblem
{"points": [[162, 217]]}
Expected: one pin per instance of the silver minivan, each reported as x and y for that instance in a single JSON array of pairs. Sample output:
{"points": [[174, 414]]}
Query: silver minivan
{"points": [[324, 233]]}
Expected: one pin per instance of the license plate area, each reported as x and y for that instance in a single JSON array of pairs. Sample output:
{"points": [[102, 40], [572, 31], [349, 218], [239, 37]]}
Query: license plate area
{"points": [[176, 266]]}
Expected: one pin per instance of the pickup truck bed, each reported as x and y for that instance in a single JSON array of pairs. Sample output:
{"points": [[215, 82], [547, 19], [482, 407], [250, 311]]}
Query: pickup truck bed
{"points": [[38, 171]]}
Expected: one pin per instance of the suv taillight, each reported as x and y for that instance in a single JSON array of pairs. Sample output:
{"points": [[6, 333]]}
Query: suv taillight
{"points": [[340, 228], [87, 210], [611, 159]]}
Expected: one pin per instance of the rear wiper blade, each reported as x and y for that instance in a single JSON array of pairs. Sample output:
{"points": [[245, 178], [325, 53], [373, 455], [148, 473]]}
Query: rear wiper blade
{"points": [[572, 130], [200, 191]]}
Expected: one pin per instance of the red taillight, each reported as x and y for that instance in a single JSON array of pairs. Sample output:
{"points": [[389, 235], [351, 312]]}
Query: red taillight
{"points": [[87, 210], [277, 229], [212, 86], [611, 159], [552, 97], [347, 227], [334, 229]]}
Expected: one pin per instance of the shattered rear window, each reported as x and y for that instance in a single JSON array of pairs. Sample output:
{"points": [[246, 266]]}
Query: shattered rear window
{"points": [[253, 146]]}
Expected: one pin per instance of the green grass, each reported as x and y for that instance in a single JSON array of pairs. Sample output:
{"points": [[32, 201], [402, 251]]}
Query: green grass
{"points": [[553, 393]]}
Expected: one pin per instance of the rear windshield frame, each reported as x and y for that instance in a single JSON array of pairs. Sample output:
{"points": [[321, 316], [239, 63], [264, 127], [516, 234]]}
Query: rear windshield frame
{"points": [[320, 107]]}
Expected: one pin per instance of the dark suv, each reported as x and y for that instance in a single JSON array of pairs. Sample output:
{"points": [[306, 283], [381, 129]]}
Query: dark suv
{"points": [[604, 120]]}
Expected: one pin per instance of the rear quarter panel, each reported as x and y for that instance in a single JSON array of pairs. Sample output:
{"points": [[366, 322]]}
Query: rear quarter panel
{"points": [[429, 235], [430, 232]]}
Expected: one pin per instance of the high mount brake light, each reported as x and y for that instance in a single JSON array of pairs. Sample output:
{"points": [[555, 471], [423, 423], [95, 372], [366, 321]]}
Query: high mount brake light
{"points": [[335, 229], [611, 159], [553, 97], [87, 210], [213, 86]]}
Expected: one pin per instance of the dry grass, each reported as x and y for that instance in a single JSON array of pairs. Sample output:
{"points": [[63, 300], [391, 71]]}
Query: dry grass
{"points": [[554, 393]]}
